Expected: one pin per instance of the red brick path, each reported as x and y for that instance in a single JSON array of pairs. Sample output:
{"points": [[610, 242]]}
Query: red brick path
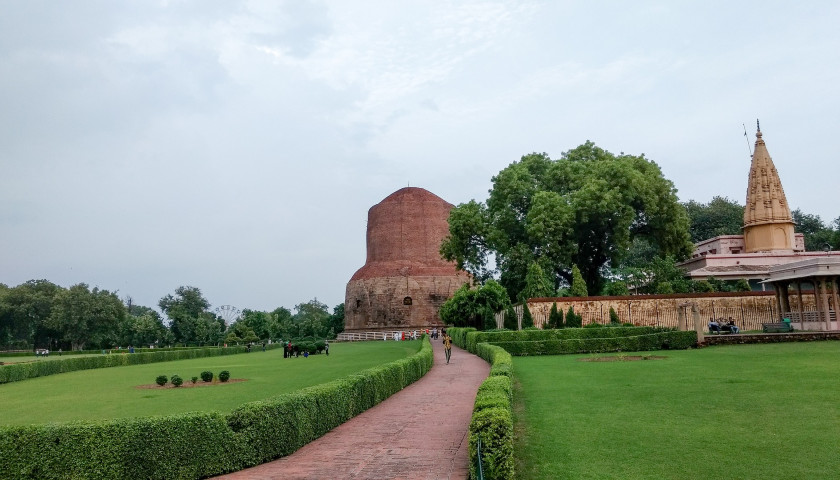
{"points": [[418, 433]]}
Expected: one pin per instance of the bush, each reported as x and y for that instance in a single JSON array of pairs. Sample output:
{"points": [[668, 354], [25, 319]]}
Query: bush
{"points": [[614, 319], [492, 418], [224, 376], [176, 380], [194, 380], [161, 380], [206, 376], [23, 371]]}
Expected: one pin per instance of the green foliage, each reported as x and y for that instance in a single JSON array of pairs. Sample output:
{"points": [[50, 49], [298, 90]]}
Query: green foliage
{"points": [[527, 318], [742, 285], [585, 208], [474, 306], [206, 376], [555, 317], [194, 380], [573, 320], [511, 319], [23, 371], [614, 319], [721, 216], [817, 234], [703, 286], [492, 418], [200, 445], [670, 340], [176, 380], [224, 376], [616, 288], [161, 380], [189, 315], [537, 284], [578, 288]]}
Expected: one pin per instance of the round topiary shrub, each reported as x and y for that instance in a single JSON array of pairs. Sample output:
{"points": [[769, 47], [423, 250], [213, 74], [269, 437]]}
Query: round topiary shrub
{"points": [[193, 380], [224, 376], [161, 380], [176, 380], [207, 376]]}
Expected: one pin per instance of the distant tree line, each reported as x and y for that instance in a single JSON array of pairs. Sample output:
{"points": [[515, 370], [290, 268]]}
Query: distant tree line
{"points": [[41, 314]]}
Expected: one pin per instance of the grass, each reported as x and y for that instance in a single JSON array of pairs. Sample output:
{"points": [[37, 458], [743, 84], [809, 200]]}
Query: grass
{"points": [[747, 411], [110, 392]]}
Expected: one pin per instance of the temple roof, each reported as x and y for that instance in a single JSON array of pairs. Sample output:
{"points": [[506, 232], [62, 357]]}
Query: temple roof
{"points": [[766, 202]]}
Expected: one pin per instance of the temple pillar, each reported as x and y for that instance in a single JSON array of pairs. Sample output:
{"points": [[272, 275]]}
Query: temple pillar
{"points": [[799, 298], [777, 290], [784, 301], [825, 296]]}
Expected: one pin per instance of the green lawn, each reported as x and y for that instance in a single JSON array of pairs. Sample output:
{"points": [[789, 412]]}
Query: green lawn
{"points": [[110, 392], [745, 412]]}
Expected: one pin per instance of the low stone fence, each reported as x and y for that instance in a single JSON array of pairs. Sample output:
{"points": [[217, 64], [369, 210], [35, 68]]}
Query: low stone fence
{"points": [[747, 309]]}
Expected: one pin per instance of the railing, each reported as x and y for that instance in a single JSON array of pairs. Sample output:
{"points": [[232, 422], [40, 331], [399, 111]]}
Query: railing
{"points": [[385, 334]]}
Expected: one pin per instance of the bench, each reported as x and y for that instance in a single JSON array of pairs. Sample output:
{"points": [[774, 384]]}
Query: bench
{"points": [[781, 327]]}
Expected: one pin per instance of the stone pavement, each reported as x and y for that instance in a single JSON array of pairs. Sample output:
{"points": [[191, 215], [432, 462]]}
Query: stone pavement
{"points": [[418, 433]]}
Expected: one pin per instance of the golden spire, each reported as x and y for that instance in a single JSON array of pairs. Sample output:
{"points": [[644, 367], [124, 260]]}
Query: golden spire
{"points": [[766, 202], [768, 224]]}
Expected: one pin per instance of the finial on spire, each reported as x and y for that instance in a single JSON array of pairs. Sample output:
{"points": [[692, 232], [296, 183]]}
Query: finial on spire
{"points": [[758, 129]]}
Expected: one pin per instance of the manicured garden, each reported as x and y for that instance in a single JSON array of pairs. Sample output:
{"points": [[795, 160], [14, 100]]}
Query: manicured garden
{"points": [[107, 393], [746, 411]]}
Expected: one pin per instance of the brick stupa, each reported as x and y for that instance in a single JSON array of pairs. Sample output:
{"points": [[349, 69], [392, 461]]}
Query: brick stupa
{"points": [[404, 280]]}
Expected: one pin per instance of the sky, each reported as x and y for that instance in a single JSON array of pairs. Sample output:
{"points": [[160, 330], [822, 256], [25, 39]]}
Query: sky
{"points": [[236, 146]]}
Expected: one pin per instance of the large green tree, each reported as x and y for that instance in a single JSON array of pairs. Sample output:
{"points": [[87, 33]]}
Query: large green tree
{"points": [[817, 234], [584, 208], [24, 314], [84, 316], [475, 307], [184, 310], [721, 216]]}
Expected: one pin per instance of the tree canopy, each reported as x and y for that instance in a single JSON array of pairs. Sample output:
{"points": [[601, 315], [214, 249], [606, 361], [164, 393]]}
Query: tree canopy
{"points": [[584, 208], [721, 216]]}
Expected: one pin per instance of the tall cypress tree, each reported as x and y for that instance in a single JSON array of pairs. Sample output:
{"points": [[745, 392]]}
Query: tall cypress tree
{"points": [[573, 320], [527, 319], [511, 320], [555, 317]]}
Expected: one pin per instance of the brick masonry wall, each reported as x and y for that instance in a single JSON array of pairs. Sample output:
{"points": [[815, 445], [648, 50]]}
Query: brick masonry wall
{"points": [[404, 280]]}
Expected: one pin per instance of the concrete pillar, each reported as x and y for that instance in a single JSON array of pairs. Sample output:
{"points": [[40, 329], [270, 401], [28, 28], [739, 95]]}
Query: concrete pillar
{"points": [[835, 295], [799, 297], [778, 292], [698, 326], [825, 295], [682, 324], [817, 298], [783, 298]]}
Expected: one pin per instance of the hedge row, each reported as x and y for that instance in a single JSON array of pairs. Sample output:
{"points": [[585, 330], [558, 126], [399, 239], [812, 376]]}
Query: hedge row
{"points": [[198, 445], [22, 371], [492, 418], [473, 339], [673, 340]]}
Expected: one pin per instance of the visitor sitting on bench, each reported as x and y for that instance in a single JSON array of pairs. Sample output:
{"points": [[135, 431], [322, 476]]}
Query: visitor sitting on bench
{"points": [[732, 327], [714, 326]]}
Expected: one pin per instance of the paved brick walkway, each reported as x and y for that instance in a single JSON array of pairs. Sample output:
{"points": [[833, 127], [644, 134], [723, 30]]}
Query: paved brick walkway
{"points": [[418, 433]]}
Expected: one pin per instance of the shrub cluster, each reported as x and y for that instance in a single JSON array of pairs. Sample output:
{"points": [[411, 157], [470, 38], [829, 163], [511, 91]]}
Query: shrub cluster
{"points": [[198, 445], [23, 371]]}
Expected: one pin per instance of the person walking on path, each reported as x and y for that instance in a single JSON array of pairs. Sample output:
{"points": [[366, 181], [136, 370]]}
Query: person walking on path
{"points": [[447, 346]]}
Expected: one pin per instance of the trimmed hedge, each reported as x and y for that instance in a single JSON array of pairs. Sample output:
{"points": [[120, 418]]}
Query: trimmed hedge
{"points": [[474, 338], [22, 371], [198, 445], [492, 418], [654, 341]]}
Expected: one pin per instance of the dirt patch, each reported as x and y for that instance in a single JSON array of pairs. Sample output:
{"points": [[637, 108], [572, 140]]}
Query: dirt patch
{"points": [[622, 358], [188, 384]]}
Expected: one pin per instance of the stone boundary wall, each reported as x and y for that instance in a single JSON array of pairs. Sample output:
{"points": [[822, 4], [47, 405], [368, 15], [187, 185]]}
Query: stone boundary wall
{"points": [[748, 309]]}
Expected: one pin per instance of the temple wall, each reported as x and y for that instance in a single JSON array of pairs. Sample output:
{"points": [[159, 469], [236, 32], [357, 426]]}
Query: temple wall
{"points": [[748, 309]]}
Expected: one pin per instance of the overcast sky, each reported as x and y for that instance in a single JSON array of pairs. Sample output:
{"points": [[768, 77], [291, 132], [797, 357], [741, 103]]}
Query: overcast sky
{"points": [[237, 146]]}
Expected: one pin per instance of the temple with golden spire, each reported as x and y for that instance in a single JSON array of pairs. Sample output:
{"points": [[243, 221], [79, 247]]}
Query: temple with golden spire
{"points": [[768, 236]]}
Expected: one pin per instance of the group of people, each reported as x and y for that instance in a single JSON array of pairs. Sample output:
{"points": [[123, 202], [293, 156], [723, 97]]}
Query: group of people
{"points": [[719, 325]]}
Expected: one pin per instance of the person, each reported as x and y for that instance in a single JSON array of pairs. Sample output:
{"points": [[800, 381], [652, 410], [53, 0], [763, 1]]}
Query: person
{"points": [[732, 327], [263, 346], [384, 337], [306, 354], [714, 326], [447, 346], [59, 352], [434, 333], [327, 349]]}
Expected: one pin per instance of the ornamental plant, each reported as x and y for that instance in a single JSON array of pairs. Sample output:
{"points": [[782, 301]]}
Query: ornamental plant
{"points": [[224, 376], [161, 380], [193, 380], [176, 380], [207, 376]]}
